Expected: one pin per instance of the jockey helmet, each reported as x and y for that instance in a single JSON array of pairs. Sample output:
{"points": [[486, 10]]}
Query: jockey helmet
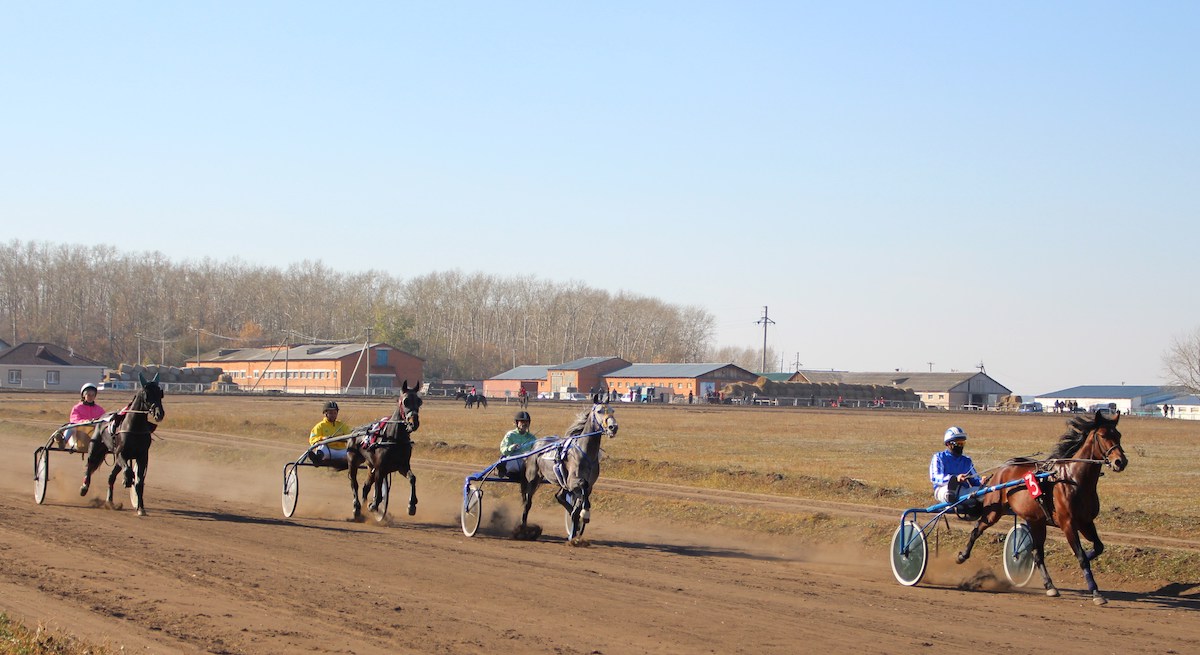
{"points": [[88, 385], [953, 434], [330, 405], [522, 416]]}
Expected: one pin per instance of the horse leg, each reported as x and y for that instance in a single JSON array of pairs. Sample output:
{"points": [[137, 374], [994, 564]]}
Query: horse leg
{"points": [[112, 479], [140, 484], [1037, 532], [412, 493], [375, 484], [94, 458], [986, 521], [1085, 562], [353, 472]]}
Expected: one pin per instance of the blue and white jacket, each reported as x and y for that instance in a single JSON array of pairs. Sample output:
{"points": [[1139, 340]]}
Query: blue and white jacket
{"points": [[945, 465]]}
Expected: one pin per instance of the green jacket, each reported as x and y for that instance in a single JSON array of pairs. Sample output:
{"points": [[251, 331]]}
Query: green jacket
{"points": [[515, 443]]}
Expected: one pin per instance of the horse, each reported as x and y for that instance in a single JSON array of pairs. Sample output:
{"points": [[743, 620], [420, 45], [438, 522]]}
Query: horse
{"points": [[475, 400], [574, 466], [523, 400], [127, 436], [392, 453], [1070, 500]]}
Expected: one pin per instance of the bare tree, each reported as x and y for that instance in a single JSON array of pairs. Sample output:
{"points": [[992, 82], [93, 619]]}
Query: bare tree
{"points": [[1181, 362]]}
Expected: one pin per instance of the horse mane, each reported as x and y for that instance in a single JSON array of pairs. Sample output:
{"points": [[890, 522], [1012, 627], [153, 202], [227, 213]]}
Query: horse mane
{"points": [[580, 423], [1079, 428]]}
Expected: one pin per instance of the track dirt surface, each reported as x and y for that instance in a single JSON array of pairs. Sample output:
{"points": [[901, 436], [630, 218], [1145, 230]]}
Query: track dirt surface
{"points": [[215, 567]]}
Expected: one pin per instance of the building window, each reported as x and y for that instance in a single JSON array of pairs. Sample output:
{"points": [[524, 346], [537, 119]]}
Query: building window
{"points": [[14, 376], [51, 377], [381, 356]]}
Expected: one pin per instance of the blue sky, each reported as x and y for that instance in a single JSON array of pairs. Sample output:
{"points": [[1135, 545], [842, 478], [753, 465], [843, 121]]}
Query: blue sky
{"points": [[901, 183]]}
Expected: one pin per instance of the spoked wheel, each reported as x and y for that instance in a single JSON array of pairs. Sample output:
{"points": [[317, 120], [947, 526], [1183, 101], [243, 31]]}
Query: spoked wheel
{"points": [[472, 510], [909, 554], [1018, 555], [385, 488], [291, 489], [41, 474]]}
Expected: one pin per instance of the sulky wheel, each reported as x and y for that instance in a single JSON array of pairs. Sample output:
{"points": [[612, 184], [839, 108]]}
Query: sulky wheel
{"points": [[291, 489], [385, 488], [1018, 555], [472, 510], [909, 554], [133, 496], [574, 528], [41, 474]]}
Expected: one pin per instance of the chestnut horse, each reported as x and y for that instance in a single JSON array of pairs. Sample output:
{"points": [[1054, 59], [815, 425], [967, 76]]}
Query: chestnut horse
{"points": [[128, 439], [573, 467], [391, 453], [1069, 498]]}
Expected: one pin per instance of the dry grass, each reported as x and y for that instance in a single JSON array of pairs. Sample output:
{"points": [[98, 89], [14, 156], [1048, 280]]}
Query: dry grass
{"points": [[16, 639], [876, 457]]}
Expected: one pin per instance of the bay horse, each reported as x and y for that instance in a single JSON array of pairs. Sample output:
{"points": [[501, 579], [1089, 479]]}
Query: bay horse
{"points": [[573, 466], [1069, 498], [390, 453], [127, 436]]}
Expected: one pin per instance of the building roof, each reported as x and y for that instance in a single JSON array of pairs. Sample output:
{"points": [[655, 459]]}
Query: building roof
{"points": [[301, 352], [915, 380], [44, 354], [525, 372], [776, 377], [581, 363], [670, 370], [1107, 391]]}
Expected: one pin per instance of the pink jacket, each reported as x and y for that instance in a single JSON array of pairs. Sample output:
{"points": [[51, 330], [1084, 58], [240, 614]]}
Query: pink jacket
{"points": [[81, 413]]}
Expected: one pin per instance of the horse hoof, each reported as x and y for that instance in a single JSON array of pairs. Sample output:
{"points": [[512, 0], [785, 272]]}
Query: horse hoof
{"points": [[412, 510], [960, 559], [1052, 592], [141, 512], [1099, 600], [83, 490]]}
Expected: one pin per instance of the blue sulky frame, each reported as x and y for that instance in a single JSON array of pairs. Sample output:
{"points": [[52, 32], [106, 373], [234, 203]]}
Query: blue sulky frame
{"points": [[472, 507], [910, 553]]}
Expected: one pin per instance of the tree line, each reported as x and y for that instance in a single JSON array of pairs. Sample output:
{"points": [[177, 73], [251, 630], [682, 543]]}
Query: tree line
{"points": [[116, 307]]}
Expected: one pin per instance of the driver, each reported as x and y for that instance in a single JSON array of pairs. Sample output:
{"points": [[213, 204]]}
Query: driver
{"points": [[333, 453], [515, 442], [951, 472], [86, 410]]}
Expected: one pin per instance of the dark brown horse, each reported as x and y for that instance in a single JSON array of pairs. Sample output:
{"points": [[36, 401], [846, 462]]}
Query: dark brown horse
{"points": [[127, 436], [390, 453], [1069, 498], [574, 468]]}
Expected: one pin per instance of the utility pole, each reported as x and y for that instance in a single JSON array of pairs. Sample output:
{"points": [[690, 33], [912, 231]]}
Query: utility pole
{"points": [[798, 364], [764, 321], [139, 338], [930, 366], [368, 361]]}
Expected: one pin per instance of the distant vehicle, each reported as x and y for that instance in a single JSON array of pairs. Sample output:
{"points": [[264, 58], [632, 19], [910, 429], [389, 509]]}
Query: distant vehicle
{"points": [[575, 397], [1026, 408], [546, 395]]}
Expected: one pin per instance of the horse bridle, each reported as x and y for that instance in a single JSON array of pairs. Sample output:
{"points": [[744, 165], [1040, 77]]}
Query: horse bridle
{"points": [[1116, 446], [606, 425]]}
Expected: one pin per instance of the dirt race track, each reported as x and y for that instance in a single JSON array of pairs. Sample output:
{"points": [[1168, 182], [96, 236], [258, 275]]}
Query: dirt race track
{"points": [[215, 567]]}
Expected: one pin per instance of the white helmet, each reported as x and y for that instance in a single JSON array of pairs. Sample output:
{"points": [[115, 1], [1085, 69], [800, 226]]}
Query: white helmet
{"points": [[88, 385], [954, 432]]}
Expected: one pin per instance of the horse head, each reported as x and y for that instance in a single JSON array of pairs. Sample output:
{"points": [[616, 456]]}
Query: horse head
{"points": [[409, 406], [601, 418], [151, 396], [1108, 440]]}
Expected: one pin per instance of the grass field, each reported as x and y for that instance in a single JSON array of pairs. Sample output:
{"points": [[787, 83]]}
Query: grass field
{"points": [[871, 457]]}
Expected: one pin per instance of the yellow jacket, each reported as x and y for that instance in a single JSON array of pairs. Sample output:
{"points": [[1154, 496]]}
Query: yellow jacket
{"points": [[325, 429]]}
